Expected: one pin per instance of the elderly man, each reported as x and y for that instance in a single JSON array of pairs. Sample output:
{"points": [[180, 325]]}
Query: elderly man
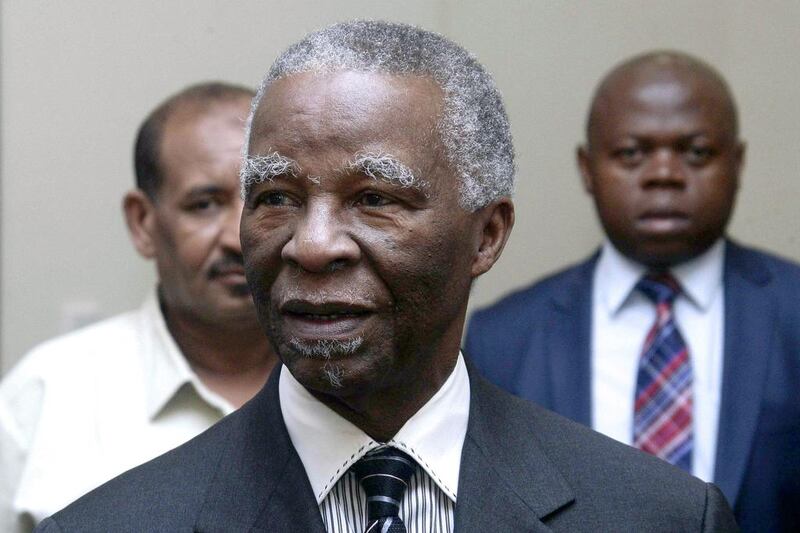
{"points": [[83, 408], [377, 178], [712, 386]]}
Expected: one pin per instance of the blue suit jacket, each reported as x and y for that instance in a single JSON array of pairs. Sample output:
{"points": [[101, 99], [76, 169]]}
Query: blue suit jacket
{"points": [[535, 343]]}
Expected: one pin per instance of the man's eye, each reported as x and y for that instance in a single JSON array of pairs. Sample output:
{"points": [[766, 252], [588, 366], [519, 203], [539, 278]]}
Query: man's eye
{"points": [[371, 199], [629, 154], [275, 199], [697, 155], [202, 205]]}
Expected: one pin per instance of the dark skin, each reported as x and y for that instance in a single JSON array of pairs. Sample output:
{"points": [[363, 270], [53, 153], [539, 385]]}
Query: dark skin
{"points": [[343, 256], [662, 158], [191, 229]]}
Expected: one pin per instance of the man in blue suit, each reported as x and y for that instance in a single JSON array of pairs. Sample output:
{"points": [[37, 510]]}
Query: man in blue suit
{"points": [[662, 161]]}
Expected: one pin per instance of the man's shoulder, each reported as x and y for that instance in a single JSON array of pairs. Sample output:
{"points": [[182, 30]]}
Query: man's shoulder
{"points": [[612, 483], [62, 381], [572, 445], [588, 456], [164, 494], [777, 277], [498, 337], [539, 293], [504, 331], [780, 268], [109, 342], [86, 342]]}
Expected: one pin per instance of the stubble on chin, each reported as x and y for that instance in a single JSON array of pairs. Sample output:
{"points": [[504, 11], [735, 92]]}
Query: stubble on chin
{"points": [[333, 374], [327, 350]]}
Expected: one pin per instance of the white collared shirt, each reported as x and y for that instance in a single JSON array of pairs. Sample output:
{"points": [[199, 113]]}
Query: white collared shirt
{"points": [[87, 406], [621, 318], [328, 445]]}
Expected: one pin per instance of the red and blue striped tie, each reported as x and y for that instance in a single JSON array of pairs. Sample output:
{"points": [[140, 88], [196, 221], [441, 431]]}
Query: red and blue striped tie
{"points": [[662, 422]]}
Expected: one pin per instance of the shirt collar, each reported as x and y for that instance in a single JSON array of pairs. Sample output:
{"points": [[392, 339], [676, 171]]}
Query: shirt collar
{"points": [[328, 444], [699, 278], [616, 276], [167, 370]]}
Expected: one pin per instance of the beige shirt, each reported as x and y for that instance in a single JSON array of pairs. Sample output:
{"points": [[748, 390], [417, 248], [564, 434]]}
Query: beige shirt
{"points": [[81, 409]]}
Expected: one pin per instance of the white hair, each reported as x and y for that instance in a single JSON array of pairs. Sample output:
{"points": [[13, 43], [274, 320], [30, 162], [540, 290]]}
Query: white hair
{"points": [[265, 167], [328, 350], [380, 166], [473, 128], [376, 165]]}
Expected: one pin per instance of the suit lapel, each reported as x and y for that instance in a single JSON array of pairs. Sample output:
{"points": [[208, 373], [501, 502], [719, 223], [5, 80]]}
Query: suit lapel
{"points": [[749, 319], [260, 483], [568, 349], [506, 483]]}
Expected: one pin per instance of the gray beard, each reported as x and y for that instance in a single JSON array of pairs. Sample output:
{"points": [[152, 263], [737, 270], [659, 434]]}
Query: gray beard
{"points": [[328, 350]]}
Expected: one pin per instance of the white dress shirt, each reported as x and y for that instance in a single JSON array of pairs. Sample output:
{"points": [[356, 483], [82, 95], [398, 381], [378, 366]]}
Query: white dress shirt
{"points": [[621, 318], [328, 445], [83, 408]]}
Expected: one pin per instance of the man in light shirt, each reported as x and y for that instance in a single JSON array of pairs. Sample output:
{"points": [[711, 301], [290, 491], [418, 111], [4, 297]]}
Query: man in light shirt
{"points": [[662, 161], [377, 179], [82, 408]]}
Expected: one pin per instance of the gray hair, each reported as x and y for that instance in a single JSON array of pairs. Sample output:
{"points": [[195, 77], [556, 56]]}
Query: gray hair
{"points": [[473, 128]]}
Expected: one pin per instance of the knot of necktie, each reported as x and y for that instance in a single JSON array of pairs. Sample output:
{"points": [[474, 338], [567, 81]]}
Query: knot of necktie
{"points": [[384, 474], [659, 287]]}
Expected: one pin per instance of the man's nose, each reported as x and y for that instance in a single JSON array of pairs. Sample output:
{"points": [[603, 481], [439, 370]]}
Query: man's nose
{"points": [[664, 169], [321, 241], [229, 234]]}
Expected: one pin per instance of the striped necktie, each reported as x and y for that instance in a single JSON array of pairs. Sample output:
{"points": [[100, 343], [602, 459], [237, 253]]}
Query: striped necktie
{"points": [[384, 474], [662, 422]]}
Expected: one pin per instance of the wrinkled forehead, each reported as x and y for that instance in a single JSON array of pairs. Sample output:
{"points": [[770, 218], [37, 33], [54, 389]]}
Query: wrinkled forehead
{"points": [[344, 107]]}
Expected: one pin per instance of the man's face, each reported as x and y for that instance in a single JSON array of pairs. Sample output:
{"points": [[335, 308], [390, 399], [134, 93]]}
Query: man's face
{"points": [[196, 215], [360, 272], [663, 164]]}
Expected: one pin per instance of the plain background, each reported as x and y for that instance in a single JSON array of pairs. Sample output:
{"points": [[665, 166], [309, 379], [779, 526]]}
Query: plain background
{"points": [[78, 77]]}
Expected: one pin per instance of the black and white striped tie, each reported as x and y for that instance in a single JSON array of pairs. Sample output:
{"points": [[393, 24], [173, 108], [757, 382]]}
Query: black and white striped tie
{"points": [[384, 473]]}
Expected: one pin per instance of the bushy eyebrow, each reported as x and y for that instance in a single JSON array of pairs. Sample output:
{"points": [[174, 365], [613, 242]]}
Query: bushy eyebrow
{"points": [[382, 166], [260, 168], [377, 165]]}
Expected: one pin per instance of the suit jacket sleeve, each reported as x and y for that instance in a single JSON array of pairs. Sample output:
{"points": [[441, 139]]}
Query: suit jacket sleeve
{"points": [[718, 515]]}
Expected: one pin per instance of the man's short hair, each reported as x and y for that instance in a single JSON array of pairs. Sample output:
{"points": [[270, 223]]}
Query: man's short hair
{"points": [[147, 151], [473, 128]]}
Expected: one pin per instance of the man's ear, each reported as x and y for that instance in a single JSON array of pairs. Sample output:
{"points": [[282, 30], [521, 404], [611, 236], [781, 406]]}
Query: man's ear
{"points": [[496, 220], [741, 151], [140, 217], [585, 167]]}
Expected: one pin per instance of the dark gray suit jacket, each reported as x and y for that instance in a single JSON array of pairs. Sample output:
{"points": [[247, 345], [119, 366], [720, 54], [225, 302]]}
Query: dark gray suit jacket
{"points": [[523, 469]]}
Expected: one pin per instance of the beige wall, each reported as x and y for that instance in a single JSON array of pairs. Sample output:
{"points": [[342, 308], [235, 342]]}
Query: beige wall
{"points": [[78, 76]]}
